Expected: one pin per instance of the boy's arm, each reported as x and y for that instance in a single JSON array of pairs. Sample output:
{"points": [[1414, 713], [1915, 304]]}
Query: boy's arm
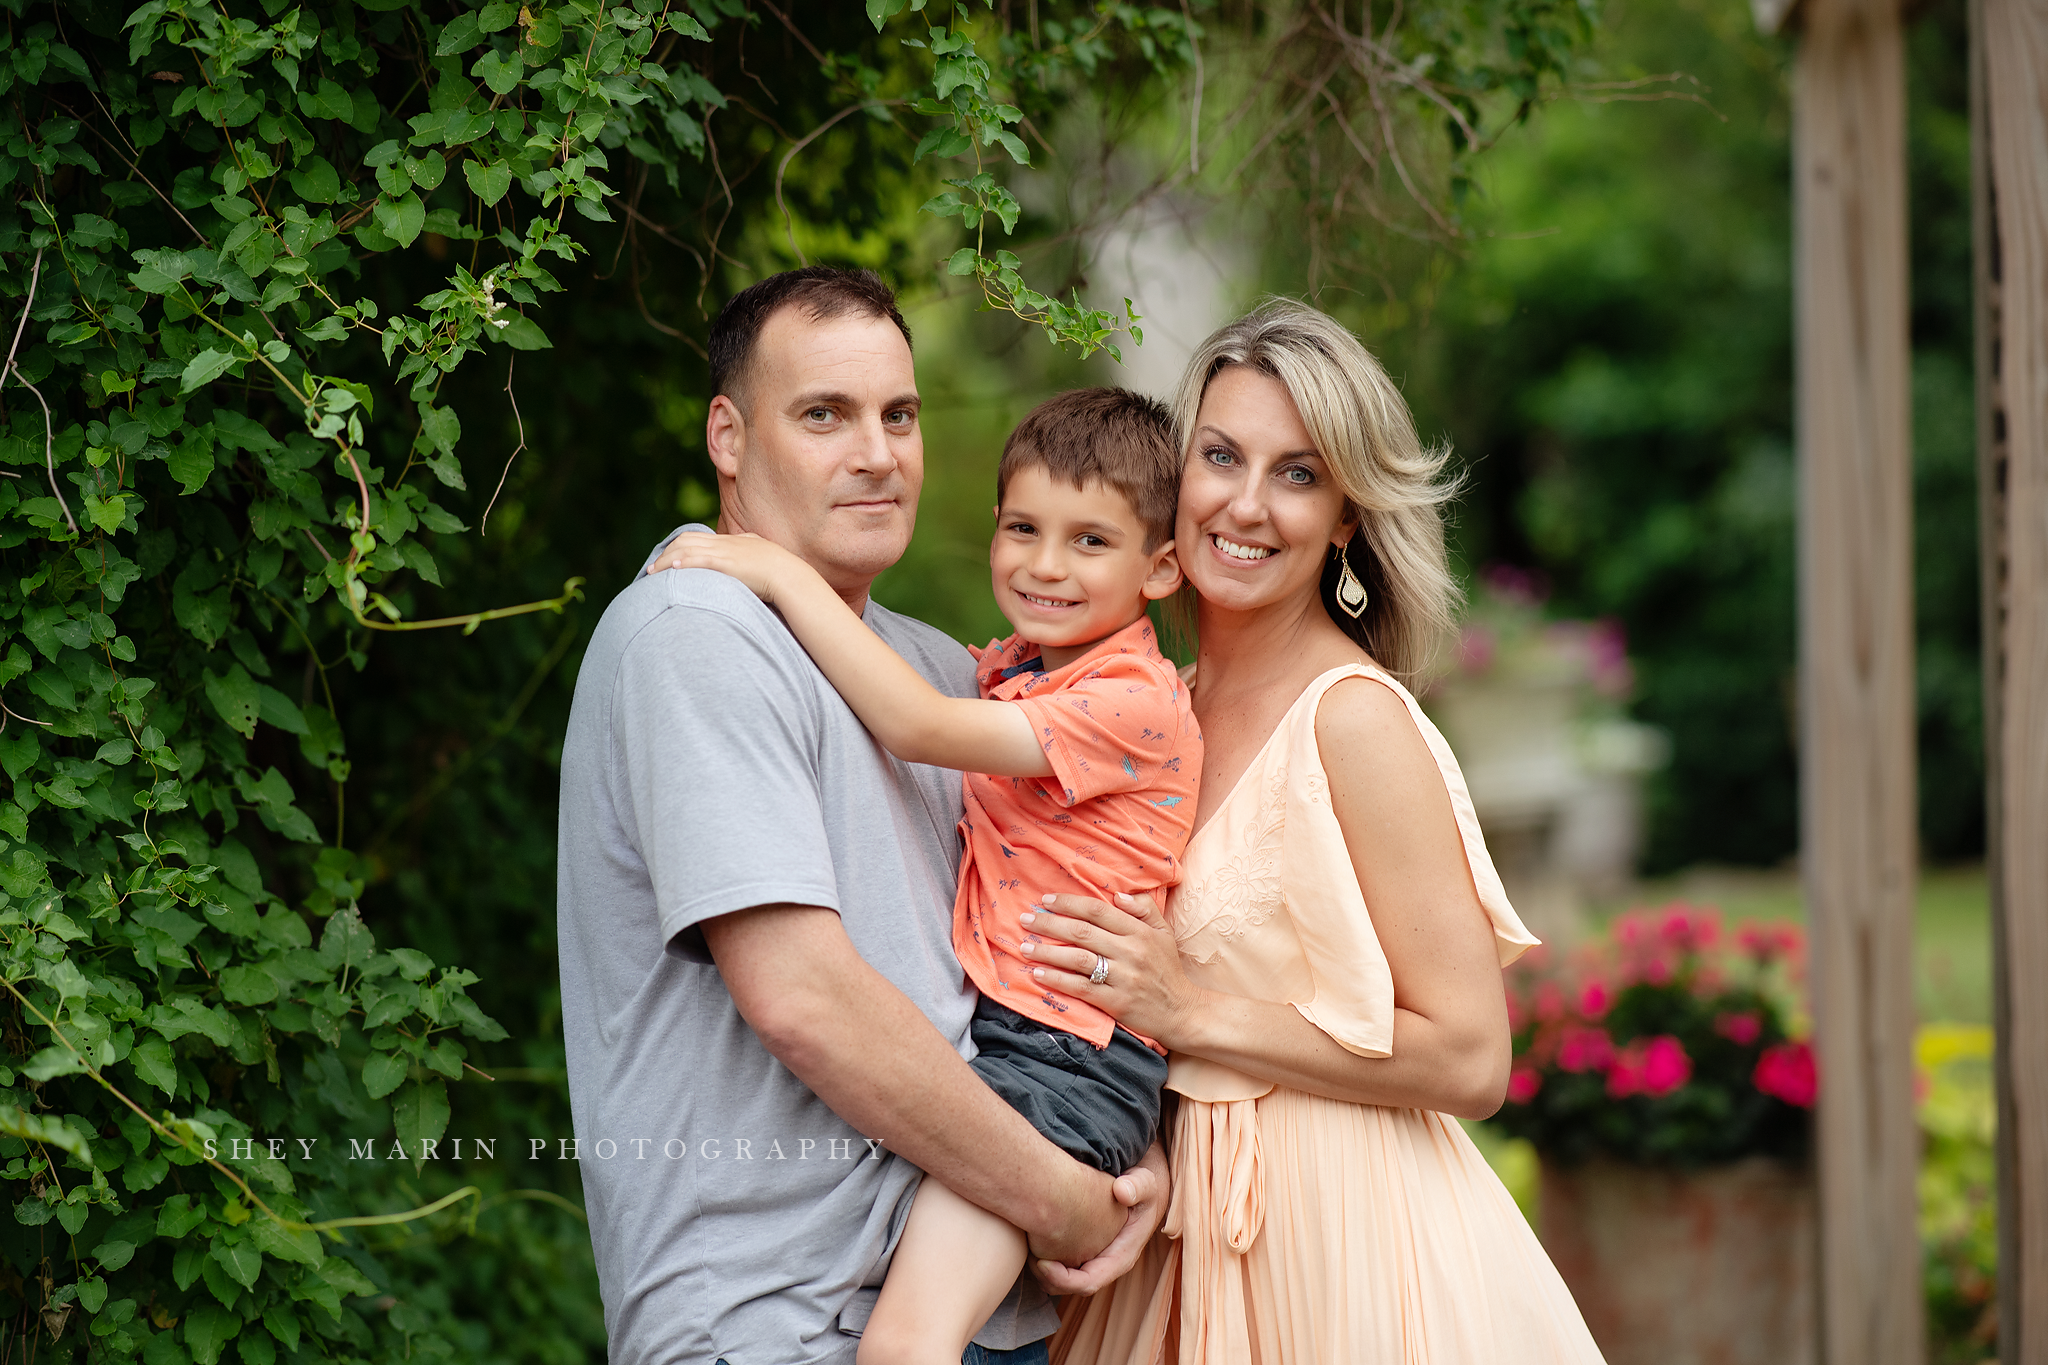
{"points": [[913, 720]]}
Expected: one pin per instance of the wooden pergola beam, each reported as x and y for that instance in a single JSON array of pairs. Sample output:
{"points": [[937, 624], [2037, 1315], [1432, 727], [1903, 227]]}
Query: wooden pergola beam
{"points": [[2009, 135], [1856, 705]]}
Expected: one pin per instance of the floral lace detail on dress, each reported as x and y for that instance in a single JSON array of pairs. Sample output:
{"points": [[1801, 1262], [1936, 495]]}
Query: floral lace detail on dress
{"points": [[1245, 890]]}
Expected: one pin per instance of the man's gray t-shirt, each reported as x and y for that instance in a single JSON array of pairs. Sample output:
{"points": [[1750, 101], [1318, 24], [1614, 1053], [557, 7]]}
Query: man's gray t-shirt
{"points": [[709, 767]]}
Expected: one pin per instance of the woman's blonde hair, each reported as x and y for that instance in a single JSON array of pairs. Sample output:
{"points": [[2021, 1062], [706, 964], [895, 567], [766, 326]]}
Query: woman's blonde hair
{"points": [[1363, 430]]}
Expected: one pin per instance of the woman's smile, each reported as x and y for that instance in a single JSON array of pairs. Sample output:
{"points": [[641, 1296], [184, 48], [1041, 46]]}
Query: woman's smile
{"points": [[1240, 551]]}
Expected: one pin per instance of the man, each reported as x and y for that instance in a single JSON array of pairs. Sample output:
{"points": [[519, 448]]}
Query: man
{"points": [[758, 983]]}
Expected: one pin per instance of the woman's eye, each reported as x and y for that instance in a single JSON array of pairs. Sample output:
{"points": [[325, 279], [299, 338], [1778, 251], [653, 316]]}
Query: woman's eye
{"points": [[1297, 475], [1218, 455]]}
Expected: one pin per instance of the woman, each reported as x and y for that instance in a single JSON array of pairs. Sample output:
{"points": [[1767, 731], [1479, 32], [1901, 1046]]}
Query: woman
{"points": [[1330, 985]]}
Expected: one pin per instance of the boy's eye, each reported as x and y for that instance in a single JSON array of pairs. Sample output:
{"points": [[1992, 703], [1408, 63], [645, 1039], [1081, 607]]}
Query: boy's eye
{"points": [[1094, 542], [1022, 528]]}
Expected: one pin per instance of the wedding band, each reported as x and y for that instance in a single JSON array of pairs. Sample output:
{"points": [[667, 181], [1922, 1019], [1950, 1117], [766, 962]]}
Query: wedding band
{"points": [[1100, 976]]}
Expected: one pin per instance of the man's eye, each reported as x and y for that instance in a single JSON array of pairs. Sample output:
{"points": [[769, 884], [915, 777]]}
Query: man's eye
{"points": [[902, 418], [819, 415]]}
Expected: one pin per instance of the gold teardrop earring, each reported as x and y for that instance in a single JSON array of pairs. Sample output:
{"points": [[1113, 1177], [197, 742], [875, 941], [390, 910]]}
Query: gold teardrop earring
{"points": [[1351, 596]]}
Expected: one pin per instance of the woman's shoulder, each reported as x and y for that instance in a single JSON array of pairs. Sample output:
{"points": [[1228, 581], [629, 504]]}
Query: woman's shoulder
{"points": [[1366, 727]]}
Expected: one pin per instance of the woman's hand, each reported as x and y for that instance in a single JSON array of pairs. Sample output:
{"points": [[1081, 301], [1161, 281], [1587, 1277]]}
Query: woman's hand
{"points": [[760, 564], [1143, 986]]}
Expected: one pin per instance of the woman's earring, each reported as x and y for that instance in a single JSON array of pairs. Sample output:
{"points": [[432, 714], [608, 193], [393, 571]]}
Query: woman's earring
{"points": [[1350, 592]]}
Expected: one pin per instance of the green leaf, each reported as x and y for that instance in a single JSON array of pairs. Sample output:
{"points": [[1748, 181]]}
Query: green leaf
{"points": [[315, 181], [154, 1061], [48, 1064], [441, 427], [208, 1329], [54, 1132], [421, 1115], [274, 708], [499, 70], [178, 1216], [112, 1255], [284, 1243], [204, 368], [499, 15], [242, 1262], [92, 1293], [522, 333], [459, 36], [401, 219], [247, 986], [488, 180], [385, 1072], [961, 262], [191, 463], [235, 697]]}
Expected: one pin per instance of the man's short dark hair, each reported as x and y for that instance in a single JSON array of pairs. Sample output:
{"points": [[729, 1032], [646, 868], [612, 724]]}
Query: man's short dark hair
{"points": [[821, 291], [1122, 439]]}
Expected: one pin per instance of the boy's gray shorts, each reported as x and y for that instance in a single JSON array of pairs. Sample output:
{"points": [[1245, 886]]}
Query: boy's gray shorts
{"points": [[1099, 1105]]}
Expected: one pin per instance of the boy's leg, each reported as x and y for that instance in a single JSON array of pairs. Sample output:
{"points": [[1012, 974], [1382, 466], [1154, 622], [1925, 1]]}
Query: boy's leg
{"points": [[951, 1270]]}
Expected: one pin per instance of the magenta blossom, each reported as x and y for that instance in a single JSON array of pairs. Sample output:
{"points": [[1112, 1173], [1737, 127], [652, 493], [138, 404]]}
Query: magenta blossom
{"points": [[1649, 1066], [1787, 1072], [1584, 1049], [1739, 1029], [1523, 1083]]}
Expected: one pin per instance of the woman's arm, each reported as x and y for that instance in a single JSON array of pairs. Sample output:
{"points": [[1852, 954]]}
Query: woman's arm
{"points": [[1451, 1045], [913, 720]]}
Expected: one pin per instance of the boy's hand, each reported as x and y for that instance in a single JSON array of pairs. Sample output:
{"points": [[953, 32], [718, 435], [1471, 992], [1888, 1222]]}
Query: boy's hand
{"points": [[760, 564]]}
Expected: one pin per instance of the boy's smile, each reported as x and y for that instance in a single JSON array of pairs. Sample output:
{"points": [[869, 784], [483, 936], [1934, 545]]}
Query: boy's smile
{"points": [[1069, 565]]}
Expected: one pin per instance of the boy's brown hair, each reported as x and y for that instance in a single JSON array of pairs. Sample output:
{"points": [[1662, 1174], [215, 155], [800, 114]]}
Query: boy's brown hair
{"points": [[1120, 438]]}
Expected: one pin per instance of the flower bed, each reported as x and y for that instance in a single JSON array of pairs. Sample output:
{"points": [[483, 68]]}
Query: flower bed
{"points": [[1666, 1042]]}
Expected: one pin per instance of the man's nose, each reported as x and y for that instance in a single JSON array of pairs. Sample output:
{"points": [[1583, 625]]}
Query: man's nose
{"points": [[872, 451]]}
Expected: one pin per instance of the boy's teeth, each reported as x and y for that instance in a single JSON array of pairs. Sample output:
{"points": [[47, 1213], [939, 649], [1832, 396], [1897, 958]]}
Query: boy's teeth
{"points": [[1045, 601], [1237, 551]]}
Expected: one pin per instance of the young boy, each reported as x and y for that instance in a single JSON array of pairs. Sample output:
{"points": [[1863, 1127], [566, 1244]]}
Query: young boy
{"points": [[1081, 763]]}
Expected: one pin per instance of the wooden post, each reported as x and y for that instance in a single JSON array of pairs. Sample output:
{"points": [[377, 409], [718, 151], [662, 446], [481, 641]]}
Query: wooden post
{"points": [[1858, 843], [2009, 125]]}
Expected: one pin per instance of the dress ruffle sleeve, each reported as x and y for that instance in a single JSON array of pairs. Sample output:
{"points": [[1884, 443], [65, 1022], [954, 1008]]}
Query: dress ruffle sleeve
{"points": [[1353, 999]]}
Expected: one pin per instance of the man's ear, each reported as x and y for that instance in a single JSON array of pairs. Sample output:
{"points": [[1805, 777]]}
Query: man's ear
{"points": [[1163, 578], [725, 436]]}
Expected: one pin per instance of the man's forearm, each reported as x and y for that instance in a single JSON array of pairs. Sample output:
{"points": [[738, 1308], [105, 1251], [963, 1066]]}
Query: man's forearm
{"points": [[853, 1038]]}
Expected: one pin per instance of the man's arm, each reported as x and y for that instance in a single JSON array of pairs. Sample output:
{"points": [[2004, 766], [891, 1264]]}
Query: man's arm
{"points": [[914, 720], [865, 1050]]}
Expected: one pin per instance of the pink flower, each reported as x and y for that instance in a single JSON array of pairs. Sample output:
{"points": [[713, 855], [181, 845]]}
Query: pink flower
{"points": [[1584, 1049], [1523, 1083], [1739, 1029], [1594, 998], [1476, 648], [1787, 1072], [1768, 942], [1665, 1065], [1649, 1066], [1550, 1004]]}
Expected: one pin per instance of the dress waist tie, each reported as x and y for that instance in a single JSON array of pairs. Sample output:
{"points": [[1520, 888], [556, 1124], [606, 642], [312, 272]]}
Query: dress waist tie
{"points": [[1218, 1187]]}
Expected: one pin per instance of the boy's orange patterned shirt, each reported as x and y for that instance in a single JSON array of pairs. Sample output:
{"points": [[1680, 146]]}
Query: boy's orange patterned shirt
{"points": [[1114, 817]]}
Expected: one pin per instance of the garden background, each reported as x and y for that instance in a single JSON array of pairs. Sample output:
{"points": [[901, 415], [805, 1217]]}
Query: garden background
{"points": [[1569, 240]]}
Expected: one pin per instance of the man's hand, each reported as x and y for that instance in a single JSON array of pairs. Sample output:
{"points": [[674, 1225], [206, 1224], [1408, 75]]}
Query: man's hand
{"points": [[761, 564], [1142, 1191]]}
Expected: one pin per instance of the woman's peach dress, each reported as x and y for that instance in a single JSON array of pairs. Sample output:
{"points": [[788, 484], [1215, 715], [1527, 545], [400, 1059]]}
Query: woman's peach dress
{"points": [[1304, 1230]]}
